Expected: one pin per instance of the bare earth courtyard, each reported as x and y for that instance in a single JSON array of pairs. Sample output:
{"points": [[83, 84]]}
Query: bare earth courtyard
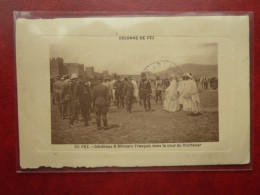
{"points": [[139, 126]]}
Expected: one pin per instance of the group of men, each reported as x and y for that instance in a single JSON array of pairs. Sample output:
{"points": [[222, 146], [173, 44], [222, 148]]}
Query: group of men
{"points": [[77, 95], [182, 94], [205, 82]]}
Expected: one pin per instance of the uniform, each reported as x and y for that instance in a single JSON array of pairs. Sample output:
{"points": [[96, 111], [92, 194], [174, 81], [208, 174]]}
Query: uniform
{"points": [[145, 91], [123, 88], [129, 94], [92, 85], [101, 99], [65, 96], [85, 101], [118, 93], [158, 90], [58, 90], [74, 104]]}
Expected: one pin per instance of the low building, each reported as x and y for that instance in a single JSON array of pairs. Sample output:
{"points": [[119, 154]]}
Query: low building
{"points": [[74, 68], [89, 71], [105, 73], [56, 67]]}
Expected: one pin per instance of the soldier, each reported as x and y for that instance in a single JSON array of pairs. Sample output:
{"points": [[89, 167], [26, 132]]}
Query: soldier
{"points": [[123, 87], [74, 94], [129, 94], [158, 89], [118, 91], [145, 92], [94, 82], [58, 90], [101, 99], [84, 100], [89, 81], [65, 96], [52, 90]]}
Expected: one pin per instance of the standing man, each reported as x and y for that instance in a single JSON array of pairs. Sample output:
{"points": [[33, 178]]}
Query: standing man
{"points": [[101, 99], [84, 100], [129, 94], [58, 90], [66, 88], [158, 89], [191, 96], [112, 83], [123, 88], [94, 82], [74, 94], [118, 91], [145, 92]]}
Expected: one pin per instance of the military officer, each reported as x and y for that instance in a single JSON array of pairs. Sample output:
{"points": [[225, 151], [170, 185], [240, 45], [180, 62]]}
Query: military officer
{"points": [[118, 91], [101, 99], [58, 90], [65, 95], [158, 89], [145, 91], [74, 95], [129, 94], [84, 100]]}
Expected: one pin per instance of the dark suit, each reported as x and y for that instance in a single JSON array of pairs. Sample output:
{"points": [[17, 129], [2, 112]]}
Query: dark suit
{"points": [[85, 101], [74, 102], [118, 93], [65, 96], [129, 94], [145, 92], [101, 99]]}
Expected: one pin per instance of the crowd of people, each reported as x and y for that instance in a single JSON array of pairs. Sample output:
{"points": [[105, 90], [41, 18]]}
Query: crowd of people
{"points": [[76, 95]]}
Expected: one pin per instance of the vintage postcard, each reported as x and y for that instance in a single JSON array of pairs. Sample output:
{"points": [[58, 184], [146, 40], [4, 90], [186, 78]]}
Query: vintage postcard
{"points": [[133, 91]]}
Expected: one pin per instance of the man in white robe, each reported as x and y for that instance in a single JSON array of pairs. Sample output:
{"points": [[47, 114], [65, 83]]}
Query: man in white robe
{"points": [[191, 96], [171, 102], [135, 88], [113, 96]]}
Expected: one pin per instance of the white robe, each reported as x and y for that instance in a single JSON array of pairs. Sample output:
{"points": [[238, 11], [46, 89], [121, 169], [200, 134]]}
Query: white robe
{"points": [[135, 88], [191, 97], [171, 102], [113, 89], [180, 90]]}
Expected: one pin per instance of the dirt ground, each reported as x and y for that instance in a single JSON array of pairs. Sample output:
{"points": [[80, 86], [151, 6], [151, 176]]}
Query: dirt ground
{"points": [[158, 126]]}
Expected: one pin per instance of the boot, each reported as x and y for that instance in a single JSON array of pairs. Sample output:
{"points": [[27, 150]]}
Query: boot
{"points": [[105, 124], [98, 124], [149, 106]]}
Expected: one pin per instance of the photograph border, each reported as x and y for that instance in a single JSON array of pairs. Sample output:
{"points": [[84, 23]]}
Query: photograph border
{"points": [[45, 15]]}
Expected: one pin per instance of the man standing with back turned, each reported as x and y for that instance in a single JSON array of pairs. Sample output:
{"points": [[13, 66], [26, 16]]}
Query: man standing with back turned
{"points": [[101, 99]]}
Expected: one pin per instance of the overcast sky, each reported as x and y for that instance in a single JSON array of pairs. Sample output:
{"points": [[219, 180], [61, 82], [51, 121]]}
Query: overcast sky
{"points": [[131, 57]]}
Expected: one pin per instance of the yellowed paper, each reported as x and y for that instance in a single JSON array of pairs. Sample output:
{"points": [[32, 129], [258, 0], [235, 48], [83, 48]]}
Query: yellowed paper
{"points": [[127, 46]]}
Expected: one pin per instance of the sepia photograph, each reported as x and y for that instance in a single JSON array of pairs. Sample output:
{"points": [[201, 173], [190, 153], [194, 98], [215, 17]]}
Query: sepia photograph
{"points": [[124, 90], [133, 91]]}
